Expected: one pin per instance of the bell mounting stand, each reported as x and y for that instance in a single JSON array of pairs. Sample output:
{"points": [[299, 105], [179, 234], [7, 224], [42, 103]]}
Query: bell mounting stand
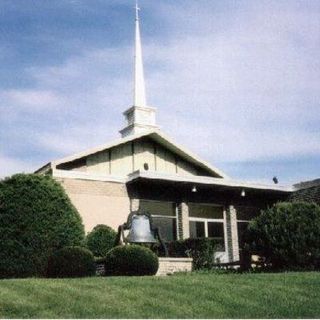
{"points": [[141, 230]]}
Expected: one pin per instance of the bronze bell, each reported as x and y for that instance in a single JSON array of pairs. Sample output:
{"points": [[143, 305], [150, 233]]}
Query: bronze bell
{"points": [[140, 231]]}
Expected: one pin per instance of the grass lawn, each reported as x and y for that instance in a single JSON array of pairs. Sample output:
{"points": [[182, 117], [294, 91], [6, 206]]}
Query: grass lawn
{"points": [[286, 295]]}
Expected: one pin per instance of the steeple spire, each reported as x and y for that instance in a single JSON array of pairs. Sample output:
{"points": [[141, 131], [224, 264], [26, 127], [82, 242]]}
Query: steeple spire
{"points": [[139, 85], [139, 117]]}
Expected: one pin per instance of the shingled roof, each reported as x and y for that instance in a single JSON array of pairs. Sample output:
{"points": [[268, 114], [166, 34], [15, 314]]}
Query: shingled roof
{"points": [[307, 191]]}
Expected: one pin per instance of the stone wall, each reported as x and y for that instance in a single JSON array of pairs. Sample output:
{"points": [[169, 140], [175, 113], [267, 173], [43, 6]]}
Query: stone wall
{"points": [[172, 265]]}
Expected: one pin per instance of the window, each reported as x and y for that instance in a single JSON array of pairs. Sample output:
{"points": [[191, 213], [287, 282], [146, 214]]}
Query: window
{"points": [[167, 227], [242, 227], [205, 211], [207, 221], [197, 229], [163, 216], [244, 215]]}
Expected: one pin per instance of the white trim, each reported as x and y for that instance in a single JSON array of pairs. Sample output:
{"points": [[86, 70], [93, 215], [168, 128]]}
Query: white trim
{"points": [[86, 176], [99, 148], [156, 135], [206, 181], [73, 174], [206, 219]]}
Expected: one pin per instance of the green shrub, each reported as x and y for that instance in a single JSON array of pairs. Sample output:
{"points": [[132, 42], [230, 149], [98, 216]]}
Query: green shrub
{"points": [[201, 250], [101, 240], [131, 260], [287, 235], [71, 262], [36, 218]]}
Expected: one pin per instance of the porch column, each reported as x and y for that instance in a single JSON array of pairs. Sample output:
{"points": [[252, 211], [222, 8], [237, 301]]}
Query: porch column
{"points": [[134, 204], [232, 234], [183, 221]]}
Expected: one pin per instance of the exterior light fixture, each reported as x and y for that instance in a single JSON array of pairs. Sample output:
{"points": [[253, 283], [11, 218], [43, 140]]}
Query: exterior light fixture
{"points": [[243, 193], [194, 189]]}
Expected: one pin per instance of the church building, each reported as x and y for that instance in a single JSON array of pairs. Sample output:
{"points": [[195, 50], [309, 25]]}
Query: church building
{"points": [[145, 169]]}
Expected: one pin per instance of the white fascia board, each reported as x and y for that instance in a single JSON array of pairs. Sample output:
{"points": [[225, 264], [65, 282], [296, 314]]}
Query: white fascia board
{"points": [[87, 176], [207, 181], [176, 178], [165, 140], [44, 169], [158, 136]]}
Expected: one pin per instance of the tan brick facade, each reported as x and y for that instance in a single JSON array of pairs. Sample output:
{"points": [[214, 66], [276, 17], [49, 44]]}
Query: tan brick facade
{"points": [[98, 202]]}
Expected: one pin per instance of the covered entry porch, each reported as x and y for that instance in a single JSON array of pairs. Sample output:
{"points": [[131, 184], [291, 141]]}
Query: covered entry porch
{"points": [[196, 206]]}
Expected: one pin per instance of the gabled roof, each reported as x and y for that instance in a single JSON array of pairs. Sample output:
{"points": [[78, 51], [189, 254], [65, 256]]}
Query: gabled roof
{"points": [[155, 135]]}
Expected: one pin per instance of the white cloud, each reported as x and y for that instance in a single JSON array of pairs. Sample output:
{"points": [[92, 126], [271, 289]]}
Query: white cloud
{"points": [[32, 100], [233, 83], [9, 166]]}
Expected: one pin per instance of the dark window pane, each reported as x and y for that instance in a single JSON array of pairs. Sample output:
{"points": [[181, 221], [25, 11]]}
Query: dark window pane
{"points": [[159, 208], [197, 229], [242, 227], [247, 213], [167, 227], [205, 211], [216, 231]]}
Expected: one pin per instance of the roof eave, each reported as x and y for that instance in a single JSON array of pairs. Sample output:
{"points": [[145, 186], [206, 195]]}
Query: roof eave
{"points": [[207, 181]]}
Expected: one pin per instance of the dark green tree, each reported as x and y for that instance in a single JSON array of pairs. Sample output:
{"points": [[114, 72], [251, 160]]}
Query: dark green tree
{"points": [[287, 235], [36, 218]]}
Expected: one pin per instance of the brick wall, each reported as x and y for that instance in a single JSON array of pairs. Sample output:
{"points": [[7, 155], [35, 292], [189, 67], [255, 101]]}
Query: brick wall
{"points": [[183, 221], [98, 202], [232, 234]]}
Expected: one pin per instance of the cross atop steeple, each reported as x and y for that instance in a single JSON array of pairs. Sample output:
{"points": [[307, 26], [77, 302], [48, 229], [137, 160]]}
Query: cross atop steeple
{"points": [[139, 117]]}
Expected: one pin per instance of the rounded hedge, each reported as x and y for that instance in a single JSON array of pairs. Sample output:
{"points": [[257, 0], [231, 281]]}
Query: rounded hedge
{"points": [[131, 260], [101, 240], [71, 262], [36, 218], [287, 235]]}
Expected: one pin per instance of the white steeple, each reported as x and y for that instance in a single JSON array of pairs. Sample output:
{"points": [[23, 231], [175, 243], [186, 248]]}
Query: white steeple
{"points": [[139, 117], [139, 86]]}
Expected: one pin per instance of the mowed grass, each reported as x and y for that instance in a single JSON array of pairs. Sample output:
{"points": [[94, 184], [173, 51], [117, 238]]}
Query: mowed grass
{"points": [[282, 295]]}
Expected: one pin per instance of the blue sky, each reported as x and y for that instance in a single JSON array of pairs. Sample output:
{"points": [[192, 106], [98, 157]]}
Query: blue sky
{"points": [[237, 82]]}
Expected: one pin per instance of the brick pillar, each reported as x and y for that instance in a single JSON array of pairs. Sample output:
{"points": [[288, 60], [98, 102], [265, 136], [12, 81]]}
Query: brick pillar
{"points": [[134, 204], [183, 221], [232, 234]]}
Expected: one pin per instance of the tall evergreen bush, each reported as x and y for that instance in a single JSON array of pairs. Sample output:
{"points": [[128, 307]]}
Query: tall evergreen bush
{"points": [[36, 218]]}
